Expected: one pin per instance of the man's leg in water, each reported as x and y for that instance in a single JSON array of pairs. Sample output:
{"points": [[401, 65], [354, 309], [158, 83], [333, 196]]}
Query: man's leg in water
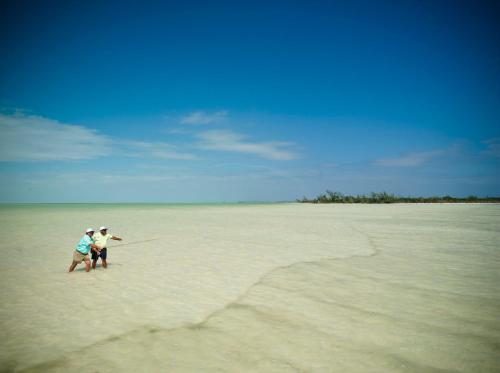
{"points": [[87, 265], [72, 266], [95, 258], [104, 255]]}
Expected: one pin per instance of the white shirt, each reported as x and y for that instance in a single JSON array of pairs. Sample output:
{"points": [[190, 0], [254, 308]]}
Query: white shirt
{"points": [[101, 240]]}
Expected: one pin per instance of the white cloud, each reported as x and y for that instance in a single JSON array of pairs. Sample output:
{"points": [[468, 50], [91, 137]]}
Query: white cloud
{"points": [[34, 138], [223, 140], [156, 150], [410, 160], [201, 117]]}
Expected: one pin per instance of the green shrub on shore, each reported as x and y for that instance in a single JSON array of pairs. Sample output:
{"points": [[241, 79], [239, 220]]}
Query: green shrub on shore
{"points": [[384, 197]]}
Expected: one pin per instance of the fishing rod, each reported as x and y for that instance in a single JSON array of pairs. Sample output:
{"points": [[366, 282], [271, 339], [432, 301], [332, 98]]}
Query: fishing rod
{"points": [[134, 242]]}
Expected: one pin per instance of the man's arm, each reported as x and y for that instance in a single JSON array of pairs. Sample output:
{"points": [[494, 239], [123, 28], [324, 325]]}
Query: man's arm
{"points": [[95, 248], [116, 238]]}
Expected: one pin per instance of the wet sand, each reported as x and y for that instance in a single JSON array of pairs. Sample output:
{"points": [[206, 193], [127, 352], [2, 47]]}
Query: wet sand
{"points": [[253, 288]]}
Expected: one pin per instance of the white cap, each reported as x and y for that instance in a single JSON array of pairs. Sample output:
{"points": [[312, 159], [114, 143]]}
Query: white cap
{"points": [[89, 230], [103, 228]]}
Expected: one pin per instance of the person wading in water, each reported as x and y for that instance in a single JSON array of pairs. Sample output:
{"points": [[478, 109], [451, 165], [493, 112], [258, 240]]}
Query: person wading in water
{"points": [[101, 239]]}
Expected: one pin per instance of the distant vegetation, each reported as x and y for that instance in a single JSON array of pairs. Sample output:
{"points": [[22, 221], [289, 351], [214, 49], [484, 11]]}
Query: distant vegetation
{"points": [[383, 197]]}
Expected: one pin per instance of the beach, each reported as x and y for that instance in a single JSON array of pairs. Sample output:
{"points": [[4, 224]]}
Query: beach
{"points": [[253, 288]]}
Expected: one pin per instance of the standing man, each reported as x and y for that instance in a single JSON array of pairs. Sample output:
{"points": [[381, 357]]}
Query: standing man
{"points": [[82, 251], [101, 239]]}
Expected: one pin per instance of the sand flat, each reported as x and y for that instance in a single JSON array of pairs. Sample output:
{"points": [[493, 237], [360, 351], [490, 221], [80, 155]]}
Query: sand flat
{"points": [[247, 288]]}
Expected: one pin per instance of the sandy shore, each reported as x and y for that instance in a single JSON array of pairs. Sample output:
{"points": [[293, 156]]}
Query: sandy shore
{"points": [[253, 288]]}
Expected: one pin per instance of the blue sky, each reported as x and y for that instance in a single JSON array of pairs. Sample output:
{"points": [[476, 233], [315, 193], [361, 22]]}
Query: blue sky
{"points": [[247, 101]]}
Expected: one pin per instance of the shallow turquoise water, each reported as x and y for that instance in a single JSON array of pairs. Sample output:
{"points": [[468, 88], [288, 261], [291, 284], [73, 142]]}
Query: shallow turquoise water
{"points": [[274, 288]]}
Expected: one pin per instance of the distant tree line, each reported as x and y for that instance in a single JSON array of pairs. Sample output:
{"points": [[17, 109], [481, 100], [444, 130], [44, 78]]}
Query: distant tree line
{"points": [[384, 197]]}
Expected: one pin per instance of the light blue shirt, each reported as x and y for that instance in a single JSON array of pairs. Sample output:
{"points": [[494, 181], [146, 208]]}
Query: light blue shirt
{"points": [[84, 244]]}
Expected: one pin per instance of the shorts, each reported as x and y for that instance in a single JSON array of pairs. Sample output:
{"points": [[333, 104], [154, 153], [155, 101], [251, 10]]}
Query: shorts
{"points": [[79, 257], [102, 255]]}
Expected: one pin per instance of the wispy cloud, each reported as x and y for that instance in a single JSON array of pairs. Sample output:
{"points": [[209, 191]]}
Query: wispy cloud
{"points": [[26, 137], [201, 117], [492, 147], [329, 165], [34, 138], [156, 150], [411, 159], [224, 140]]}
